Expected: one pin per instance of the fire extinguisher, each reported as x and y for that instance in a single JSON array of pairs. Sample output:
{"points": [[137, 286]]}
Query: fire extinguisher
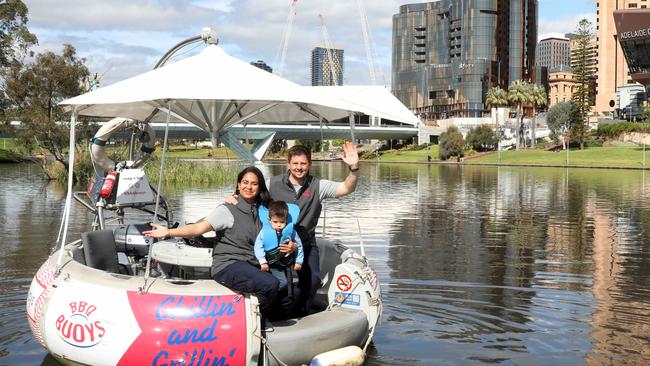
{"points": [[109, 182]]}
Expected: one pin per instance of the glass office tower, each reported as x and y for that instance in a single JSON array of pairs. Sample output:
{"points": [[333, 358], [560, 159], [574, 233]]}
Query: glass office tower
{"points": [[448, 53], [322, 74]]}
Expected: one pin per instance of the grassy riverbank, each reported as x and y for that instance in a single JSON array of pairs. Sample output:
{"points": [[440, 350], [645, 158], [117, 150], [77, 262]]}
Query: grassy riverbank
{"points": [[190, 152], [624, 156], [409, 155], [608, 157], [7, 156]]}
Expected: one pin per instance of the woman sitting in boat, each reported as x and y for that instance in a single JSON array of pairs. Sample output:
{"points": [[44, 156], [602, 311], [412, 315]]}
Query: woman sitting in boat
{"points": [[234, 264]]}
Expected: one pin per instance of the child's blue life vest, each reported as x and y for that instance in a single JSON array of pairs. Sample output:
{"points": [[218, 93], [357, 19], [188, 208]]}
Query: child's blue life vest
{"points": [[271, 238]]}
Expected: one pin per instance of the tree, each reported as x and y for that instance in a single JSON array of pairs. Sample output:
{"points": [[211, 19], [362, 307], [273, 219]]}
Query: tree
{"points": [[577, 126], [35, 91], [482, 138], [520, 95], [558, 120], [539, 99], [278, 145], [311, 145], [15, 38], [496, 97], [584, 71], [451, 143]]}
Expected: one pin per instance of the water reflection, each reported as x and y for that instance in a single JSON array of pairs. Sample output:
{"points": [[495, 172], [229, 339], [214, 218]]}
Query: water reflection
{"points": [[509, 261], [478, 264]]}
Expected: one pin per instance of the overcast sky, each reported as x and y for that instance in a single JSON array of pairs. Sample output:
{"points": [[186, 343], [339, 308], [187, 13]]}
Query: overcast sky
{"points": [[122, 38]]}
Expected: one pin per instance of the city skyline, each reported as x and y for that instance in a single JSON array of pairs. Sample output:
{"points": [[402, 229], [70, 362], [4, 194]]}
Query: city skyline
{"points": [[120, 39]]}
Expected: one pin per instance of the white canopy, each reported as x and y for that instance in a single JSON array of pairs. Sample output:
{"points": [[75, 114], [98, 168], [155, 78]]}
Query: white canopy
{"points": [[211, 90], [373, 100], [214, 91]]}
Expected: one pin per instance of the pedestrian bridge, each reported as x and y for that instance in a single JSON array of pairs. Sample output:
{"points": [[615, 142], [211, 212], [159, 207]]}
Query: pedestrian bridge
{"points": [[297, 131], [264, 134]]}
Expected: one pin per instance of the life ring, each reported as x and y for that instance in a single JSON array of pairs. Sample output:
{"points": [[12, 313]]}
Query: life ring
{"points": [[98, 142]]}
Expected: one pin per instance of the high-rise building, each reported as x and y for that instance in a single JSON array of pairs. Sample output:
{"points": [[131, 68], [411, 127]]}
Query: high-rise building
{"points": [[262, 65], [612, 67], [633, 28], [326, 69], [448, 53], [553, 52], [591, 53]]}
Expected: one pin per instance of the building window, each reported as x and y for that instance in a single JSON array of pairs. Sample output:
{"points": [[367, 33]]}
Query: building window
{"points": [[633, 5]]}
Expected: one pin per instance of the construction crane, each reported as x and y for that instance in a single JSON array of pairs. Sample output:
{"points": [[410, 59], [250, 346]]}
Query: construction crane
{"points": [[285, 36], [334, 67], [366, 40]]}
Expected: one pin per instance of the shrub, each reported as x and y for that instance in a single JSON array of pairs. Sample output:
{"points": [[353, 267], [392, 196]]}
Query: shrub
{"points": [[482, 138], [615, 130], [451, 143]]}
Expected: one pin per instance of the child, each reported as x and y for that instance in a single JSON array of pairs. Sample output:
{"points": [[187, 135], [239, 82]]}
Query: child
{"points": [[277, 229]]}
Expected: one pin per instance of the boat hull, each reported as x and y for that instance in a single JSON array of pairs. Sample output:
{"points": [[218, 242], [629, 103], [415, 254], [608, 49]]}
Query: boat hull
{"points": [[85, 316], [93, 317]]}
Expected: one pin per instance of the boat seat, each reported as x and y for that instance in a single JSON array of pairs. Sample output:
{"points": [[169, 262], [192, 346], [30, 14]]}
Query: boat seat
{"points": [[78, 255], [99, 250]]}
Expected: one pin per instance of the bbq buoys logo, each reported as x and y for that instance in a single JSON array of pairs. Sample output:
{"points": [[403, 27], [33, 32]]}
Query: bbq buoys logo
{"points": [[79, 325]]}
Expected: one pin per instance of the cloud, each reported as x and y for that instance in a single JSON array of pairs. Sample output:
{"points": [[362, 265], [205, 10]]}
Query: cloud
{"points": [[134, 32], [564, 24], [141, 15], [125, 37]]}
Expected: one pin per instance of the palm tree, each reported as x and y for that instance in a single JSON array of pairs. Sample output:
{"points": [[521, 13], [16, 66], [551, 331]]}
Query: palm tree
{"points": [[496, 97], [519, 95], [539, 98]]}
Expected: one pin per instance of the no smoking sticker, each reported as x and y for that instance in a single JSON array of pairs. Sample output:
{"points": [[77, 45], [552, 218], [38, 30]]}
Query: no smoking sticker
{"points": [[344, 283]]}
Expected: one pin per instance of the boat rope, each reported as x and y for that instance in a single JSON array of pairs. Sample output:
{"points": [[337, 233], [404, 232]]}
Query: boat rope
{"points": [[265, 344], [267, 348], [68, 199], [373, 301], [147, 270], [372, 330]]}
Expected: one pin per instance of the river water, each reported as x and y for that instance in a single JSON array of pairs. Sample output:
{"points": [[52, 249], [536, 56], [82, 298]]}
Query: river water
{"points": [[478, 265]]}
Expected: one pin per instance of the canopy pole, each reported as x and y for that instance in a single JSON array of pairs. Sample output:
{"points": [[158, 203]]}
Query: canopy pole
{"points": [[324, 204], [162, 164], [147, 270], [68, 198], [320, 124], [132, 146], [351, 119]]}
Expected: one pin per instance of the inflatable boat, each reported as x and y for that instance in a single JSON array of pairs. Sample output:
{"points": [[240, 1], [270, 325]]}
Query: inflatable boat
{"points": [[98, 308], [117, 297]]}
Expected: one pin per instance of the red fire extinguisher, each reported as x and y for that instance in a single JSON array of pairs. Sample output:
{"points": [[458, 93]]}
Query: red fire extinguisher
{"points": [[109, 182]]}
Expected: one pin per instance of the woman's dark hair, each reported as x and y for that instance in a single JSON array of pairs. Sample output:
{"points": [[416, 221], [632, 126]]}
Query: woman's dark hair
{"points": [[263, 197]]}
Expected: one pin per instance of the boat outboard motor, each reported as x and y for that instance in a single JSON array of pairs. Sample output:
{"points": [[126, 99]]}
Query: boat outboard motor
{"points": [[130, 240]]}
